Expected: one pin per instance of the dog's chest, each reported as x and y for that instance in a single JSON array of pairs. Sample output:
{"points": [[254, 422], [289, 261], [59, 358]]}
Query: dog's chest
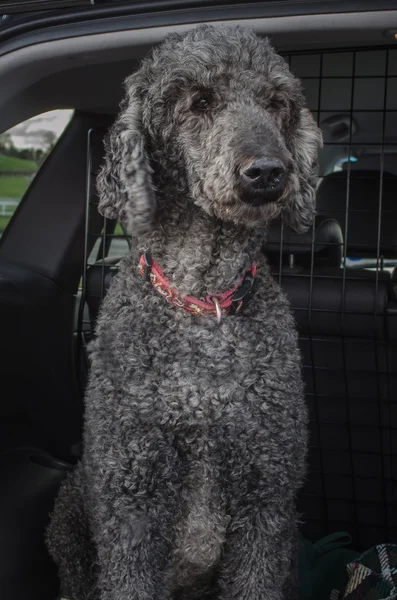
{"points": [[193, 375]]}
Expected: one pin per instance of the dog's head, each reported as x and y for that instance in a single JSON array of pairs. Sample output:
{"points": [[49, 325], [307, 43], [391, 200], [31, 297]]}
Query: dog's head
{"points": [[217, 116]]}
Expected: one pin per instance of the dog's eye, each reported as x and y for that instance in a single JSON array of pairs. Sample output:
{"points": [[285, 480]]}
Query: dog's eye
{"points": [[202, 102]]}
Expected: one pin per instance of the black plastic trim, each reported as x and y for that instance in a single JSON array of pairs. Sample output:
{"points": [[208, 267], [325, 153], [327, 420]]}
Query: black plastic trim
{"points": [[24, 6], [33, 29]]}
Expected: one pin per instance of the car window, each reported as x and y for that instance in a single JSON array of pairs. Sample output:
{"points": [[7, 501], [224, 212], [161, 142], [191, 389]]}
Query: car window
{"points": [[23, 149]]}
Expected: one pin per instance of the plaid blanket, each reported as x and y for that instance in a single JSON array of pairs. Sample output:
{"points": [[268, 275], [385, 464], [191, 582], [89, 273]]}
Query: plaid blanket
{"points": [[373, 576]]}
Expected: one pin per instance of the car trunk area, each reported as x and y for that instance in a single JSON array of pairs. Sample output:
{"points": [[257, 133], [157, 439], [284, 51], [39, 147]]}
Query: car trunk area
{"points": [[58, 257]]}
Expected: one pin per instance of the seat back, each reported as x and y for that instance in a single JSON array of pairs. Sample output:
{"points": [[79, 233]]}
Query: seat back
{"points": [[365, 204], [348, 338], [322, 244]]}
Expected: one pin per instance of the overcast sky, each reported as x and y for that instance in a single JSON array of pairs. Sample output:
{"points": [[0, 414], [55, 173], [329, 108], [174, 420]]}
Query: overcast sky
{"points": [[29, 134]]}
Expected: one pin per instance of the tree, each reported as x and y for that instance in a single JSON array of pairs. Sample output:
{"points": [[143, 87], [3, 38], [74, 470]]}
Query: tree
{"points": [[49, 139], [41, 145], [6, 144], [27, 154]]}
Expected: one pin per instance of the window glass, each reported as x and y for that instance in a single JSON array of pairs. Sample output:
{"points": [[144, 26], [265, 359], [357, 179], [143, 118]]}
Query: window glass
{"points": [[22, 151]]}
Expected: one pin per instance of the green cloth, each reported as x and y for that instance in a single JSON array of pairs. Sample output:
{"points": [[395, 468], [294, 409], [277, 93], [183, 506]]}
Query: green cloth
{"points": [[322, 566], [372, 576]]}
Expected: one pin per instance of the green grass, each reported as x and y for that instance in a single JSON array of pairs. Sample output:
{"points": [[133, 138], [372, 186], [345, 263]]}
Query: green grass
{"points": [[13, 187], [118, 230], [17, 165]]}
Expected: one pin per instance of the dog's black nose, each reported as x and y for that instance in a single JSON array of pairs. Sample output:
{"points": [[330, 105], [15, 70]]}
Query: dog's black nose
{"points": [[264, 173], [263, 181]]}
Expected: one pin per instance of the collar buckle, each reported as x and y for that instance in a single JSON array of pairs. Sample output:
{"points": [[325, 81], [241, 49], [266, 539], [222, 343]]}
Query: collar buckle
{"points": [[147, 265], [242, 294], [218, 310]]}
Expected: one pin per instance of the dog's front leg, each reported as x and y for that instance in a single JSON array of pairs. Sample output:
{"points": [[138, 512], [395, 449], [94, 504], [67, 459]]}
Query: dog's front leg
{"points": [[134, 503], [134, 571], [258, 561], [70, 541]]}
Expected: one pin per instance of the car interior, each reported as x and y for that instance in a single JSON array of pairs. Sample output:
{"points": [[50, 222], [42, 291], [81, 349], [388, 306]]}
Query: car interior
{"points": [[58, 257]]}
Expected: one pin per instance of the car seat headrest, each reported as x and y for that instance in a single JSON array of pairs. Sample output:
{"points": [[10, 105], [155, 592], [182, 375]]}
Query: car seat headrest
{"points": [[326, 241], [361, 191]]}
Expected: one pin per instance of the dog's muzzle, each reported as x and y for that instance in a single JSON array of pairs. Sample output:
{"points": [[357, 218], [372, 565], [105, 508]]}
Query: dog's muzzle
{"points": [[263, 181]]}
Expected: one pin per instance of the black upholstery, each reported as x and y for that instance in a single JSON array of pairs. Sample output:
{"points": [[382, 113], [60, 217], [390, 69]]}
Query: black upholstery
{"points": [[41, 262], [366, 188], [326, 241], [347, 321], [350, 372], [30, 480], [333, 304]]}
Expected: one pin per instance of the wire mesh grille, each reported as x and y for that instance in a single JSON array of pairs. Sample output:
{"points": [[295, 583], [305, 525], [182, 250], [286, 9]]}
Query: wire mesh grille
{"points": [[342, 285]]}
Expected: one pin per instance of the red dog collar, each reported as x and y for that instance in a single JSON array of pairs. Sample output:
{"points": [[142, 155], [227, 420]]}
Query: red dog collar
{"points": [[216, 305]]}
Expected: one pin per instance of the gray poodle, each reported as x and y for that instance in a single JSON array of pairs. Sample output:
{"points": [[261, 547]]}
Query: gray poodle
{"points": [[195, 424]]}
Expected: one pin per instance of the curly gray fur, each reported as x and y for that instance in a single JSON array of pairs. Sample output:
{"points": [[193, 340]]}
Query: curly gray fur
{"points": [[195, 434]]}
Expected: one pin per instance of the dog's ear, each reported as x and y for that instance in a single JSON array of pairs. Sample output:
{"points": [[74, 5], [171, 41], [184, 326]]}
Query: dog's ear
{"points": [[301, 209], [124, 183]]}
